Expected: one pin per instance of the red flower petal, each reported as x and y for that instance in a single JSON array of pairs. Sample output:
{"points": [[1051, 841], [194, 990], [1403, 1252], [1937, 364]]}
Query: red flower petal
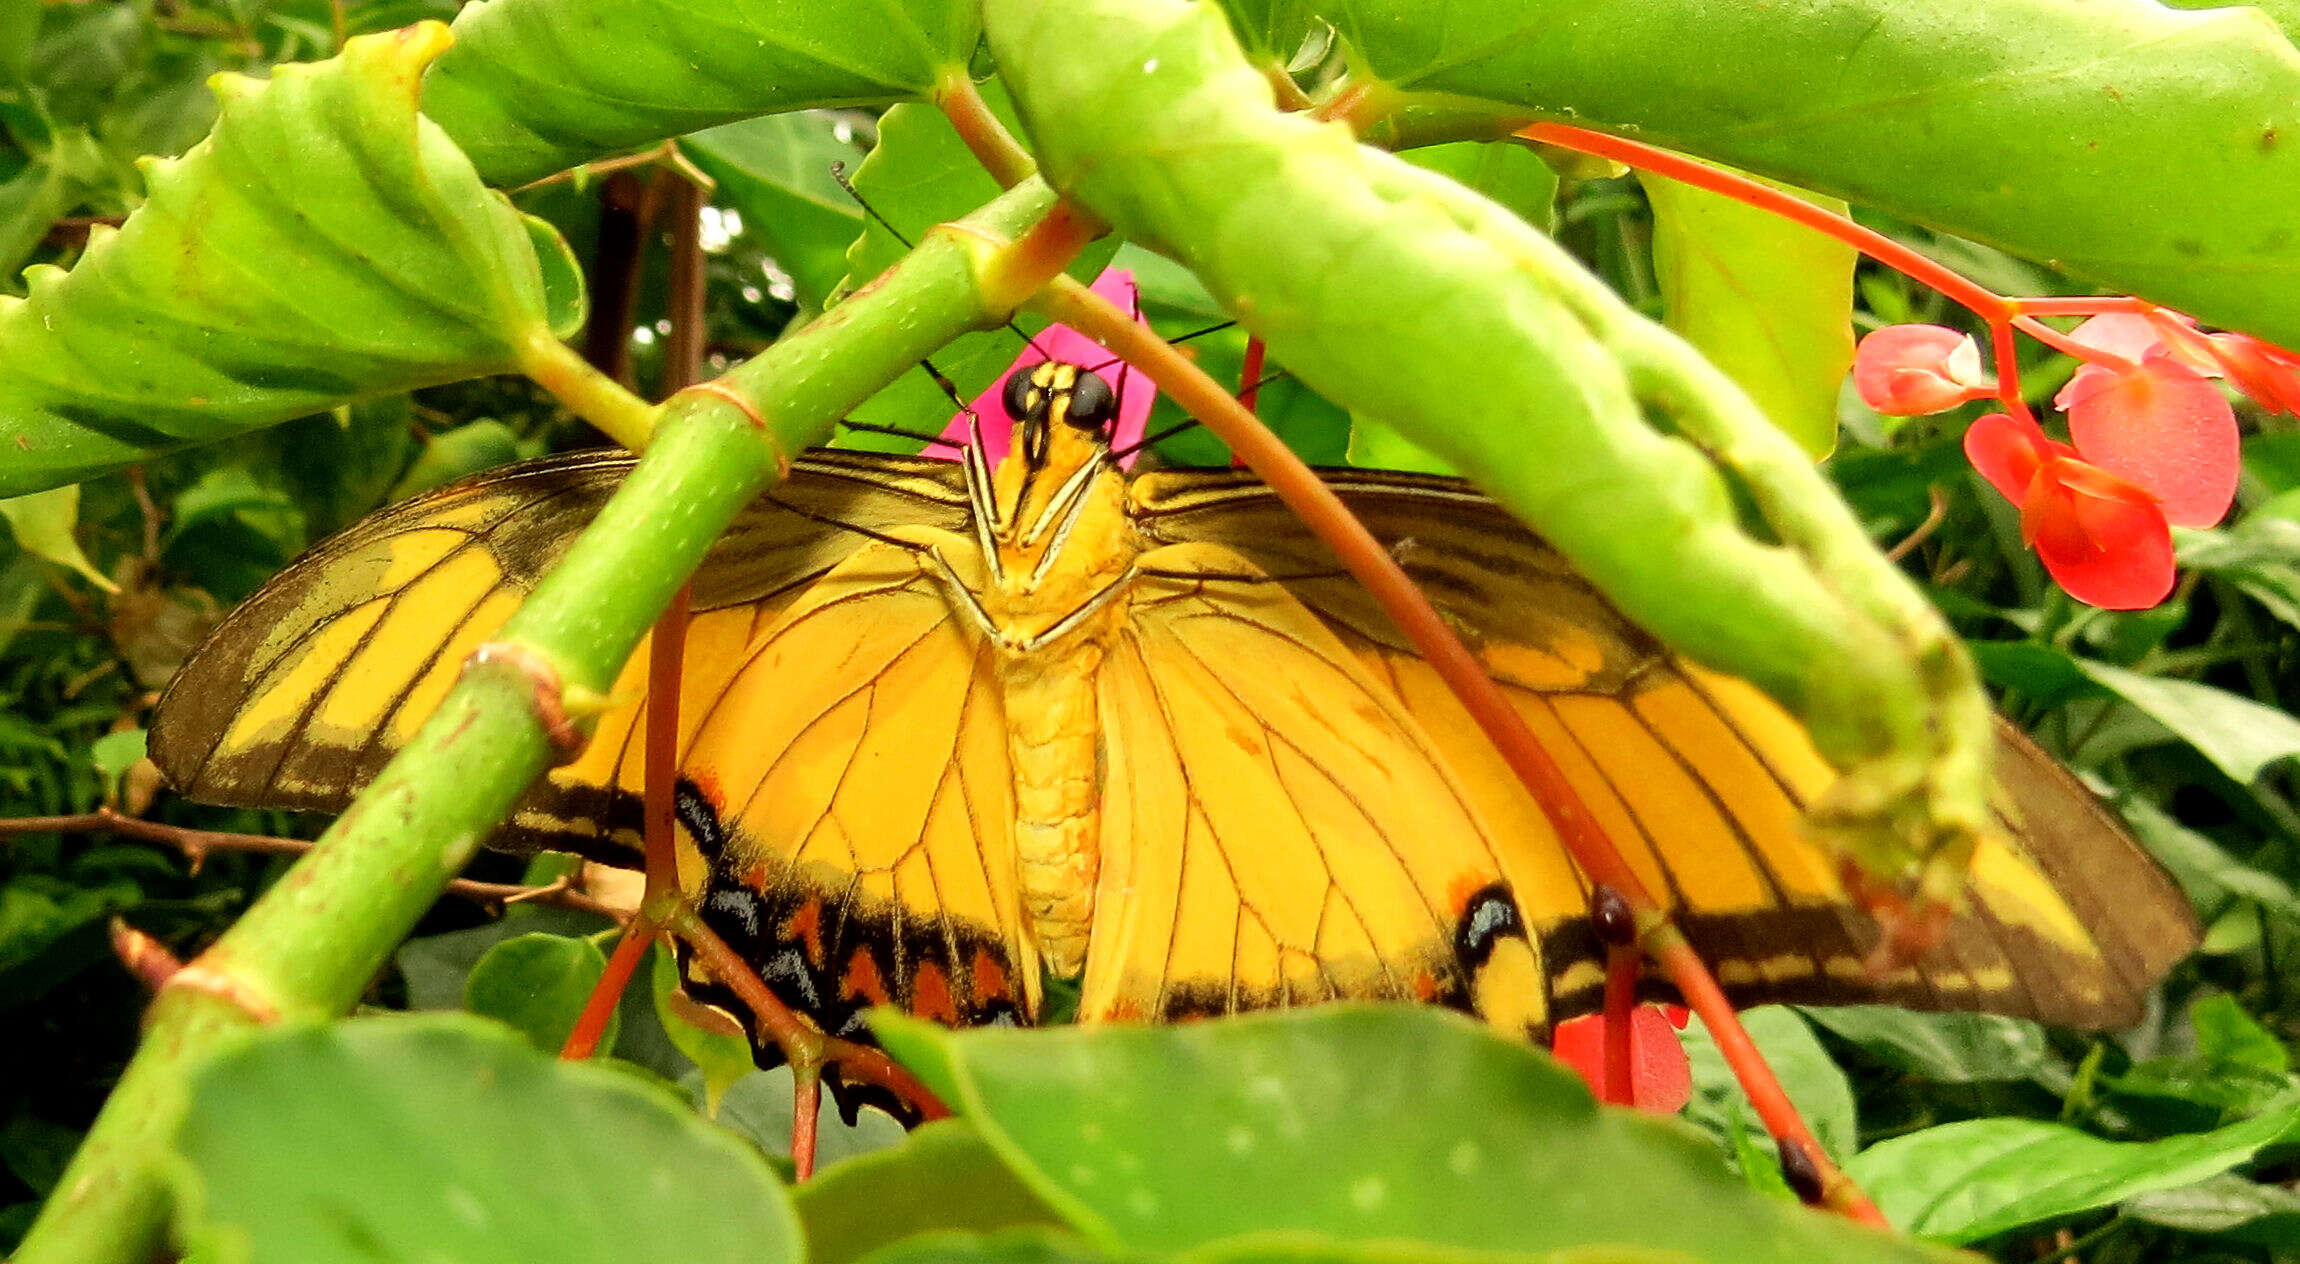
{"points": [[1910, 370], [2007, 452], [2103, 539], [2166, 429], [2264, 371], [1661, 1077]]}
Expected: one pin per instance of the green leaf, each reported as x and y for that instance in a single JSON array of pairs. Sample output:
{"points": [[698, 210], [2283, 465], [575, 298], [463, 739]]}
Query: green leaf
{"points": [[114, 752], [536, 984], [1033, 1245], [458, 453], [325, 244], [776, 171], [722, 1057], [2260, 555], [2226, 1207], [443, 1138], [2204, 869], [2238, 735], [2225, 1033], [759, 1106], [944, 1177], [46, 524], [1964, 1182], [1947, 1048], [534, 86], [1361, 1122], [1512, 175], [1768, 301], [1812, 1078], [2106, 111]]}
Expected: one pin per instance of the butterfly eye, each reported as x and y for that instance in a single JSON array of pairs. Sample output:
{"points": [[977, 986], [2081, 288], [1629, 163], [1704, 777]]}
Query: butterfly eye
{"points": [[1021, 385], [1093, 405]]}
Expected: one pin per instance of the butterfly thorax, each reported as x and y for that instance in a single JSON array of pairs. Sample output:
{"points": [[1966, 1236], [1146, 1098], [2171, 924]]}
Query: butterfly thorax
{"points": [[1065, 551]]}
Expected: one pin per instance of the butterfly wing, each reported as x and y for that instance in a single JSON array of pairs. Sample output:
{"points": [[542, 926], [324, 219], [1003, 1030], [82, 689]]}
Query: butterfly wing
{"points": [[850, 791], [1275, 830], [304, 692], [1698, 779]]}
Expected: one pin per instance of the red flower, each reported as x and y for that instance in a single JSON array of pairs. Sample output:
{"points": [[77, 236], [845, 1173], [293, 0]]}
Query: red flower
{"points": [[1910, 370], [2103, 538], [1661, 1079]]}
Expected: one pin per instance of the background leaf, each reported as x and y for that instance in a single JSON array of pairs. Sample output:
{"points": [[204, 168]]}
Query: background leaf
{"points": [[325, 244], [1964, 1182], [534, 86], [2114, 116], [1768, 301]]}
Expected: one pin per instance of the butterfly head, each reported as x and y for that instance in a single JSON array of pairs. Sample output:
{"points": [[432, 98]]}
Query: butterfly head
{"points": [[1052, 397]]}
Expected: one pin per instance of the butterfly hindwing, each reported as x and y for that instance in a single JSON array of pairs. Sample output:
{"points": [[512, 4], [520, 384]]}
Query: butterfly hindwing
{"points": [[848, 794], [1275, 830]]}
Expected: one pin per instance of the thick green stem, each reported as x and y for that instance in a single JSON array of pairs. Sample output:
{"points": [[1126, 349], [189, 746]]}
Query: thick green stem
{"points": [[1419, 304], [309, 947]]}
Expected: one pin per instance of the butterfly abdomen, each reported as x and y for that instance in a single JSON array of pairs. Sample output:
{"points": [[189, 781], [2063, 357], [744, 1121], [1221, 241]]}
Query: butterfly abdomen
{"points": [[1054, 742]]}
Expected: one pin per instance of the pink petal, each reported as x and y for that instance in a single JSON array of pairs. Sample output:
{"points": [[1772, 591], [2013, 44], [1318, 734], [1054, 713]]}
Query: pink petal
{"points": [[2127, 336], [1911, 370], [2165, 428], [1060, 342]]}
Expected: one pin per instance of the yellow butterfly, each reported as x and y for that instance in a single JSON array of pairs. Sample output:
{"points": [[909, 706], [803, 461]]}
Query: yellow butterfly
{"points": [[949, 731]]}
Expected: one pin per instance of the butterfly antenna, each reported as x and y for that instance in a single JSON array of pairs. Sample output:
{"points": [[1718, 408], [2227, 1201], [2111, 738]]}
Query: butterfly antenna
{"points": [[839, 173], [1174, 341], [898, 432], [1153, 439]]}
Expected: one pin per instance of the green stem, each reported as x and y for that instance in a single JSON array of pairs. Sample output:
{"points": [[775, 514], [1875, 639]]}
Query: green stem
{"points": [[586, 392], [309, 946]]}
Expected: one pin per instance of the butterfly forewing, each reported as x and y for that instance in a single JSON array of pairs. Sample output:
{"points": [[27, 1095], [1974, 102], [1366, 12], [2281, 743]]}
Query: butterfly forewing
{"points": [[303, 694]]}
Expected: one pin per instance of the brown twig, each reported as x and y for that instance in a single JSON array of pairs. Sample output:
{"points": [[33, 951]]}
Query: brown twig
{"points": [[196, 844], [1934, 516]]}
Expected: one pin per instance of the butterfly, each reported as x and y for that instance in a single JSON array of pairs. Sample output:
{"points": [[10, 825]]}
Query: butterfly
{"points": [[952, 731]]}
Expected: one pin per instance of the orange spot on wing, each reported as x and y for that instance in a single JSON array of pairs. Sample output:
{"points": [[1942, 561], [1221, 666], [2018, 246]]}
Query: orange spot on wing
{"points": [[862, 979], [805, 928], [990, 981], [1464, 888], [930, 995], [1426, 987]]}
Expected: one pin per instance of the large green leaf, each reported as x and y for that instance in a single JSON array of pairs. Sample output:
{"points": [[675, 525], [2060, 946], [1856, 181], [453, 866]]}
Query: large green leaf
{"points": [[1967, 1181], [1362, 1122], [2147, 149], [537, 85], [446, 1138], [324, 244]]}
